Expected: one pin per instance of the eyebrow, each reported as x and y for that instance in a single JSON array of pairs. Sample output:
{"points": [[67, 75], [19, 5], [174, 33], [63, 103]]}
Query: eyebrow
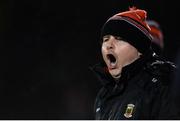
{"points": [[106, 36], [118, 37]]}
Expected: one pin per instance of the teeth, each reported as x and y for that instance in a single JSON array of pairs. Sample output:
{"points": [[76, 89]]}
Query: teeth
{"points": [[112, 65], [112, 61]]}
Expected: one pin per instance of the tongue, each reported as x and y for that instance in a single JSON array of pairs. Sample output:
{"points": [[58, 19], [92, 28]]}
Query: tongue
{"points": [[112, 61]]}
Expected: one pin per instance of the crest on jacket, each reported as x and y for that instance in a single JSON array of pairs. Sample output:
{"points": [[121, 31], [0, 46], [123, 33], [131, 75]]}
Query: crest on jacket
{"points": [[129, 110]]}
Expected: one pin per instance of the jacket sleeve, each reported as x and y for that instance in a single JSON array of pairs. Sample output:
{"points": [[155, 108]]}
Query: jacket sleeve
{"points": [[164, 105], [97, 104], [168, 108]]}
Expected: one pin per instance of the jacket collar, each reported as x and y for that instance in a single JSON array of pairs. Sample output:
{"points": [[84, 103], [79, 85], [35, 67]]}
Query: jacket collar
{"points": [[128, 71]]}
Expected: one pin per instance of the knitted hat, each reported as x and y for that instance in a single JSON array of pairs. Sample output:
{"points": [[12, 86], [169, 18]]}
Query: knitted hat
{"points": [[131, 26], [156, 32]]}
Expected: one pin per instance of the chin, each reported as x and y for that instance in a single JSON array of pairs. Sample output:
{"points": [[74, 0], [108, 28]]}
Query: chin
{"points": [[115, 73], [116, 76]]}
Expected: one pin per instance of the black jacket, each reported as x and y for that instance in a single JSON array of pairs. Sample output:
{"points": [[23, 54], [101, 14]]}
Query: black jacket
{"points": [[142, 92]]}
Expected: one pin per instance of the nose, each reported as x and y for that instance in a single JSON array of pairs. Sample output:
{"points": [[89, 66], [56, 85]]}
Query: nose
{"points": [[110, 43]]}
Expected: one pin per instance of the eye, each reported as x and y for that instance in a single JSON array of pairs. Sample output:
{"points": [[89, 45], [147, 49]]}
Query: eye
{"points": [[106, 38], [118, 38]]}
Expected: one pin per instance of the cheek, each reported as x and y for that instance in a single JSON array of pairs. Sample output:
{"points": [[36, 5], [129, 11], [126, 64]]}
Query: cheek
{"points": [[122, 50], [125, 53], [132, 51], [103, 51], [129, 53]]}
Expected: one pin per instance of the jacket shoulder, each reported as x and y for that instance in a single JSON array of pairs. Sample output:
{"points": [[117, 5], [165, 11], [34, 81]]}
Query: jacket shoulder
{"points": [[157, 76], [161, 69]]}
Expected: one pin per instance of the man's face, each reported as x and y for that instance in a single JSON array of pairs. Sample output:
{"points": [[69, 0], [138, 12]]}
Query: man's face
{"points": [[117, 54]]}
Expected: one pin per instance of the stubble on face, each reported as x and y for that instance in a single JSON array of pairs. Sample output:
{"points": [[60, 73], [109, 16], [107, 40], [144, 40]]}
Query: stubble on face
{"points": [[117, 54]]}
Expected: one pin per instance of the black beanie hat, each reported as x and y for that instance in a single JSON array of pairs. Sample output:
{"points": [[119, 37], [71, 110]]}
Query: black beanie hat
{"points": [[131, 26]]}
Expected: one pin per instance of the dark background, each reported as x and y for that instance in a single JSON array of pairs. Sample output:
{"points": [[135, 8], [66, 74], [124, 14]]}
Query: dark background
{"points": [[46, 47]]}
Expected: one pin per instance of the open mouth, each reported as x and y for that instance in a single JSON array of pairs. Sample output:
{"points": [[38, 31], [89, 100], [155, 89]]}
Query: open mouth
{"points": [[111, 58]]}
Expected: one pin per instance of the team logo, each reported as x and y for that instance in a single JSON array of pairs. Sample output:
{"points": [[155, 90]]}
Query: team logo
{"points": [[129, 110]]}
